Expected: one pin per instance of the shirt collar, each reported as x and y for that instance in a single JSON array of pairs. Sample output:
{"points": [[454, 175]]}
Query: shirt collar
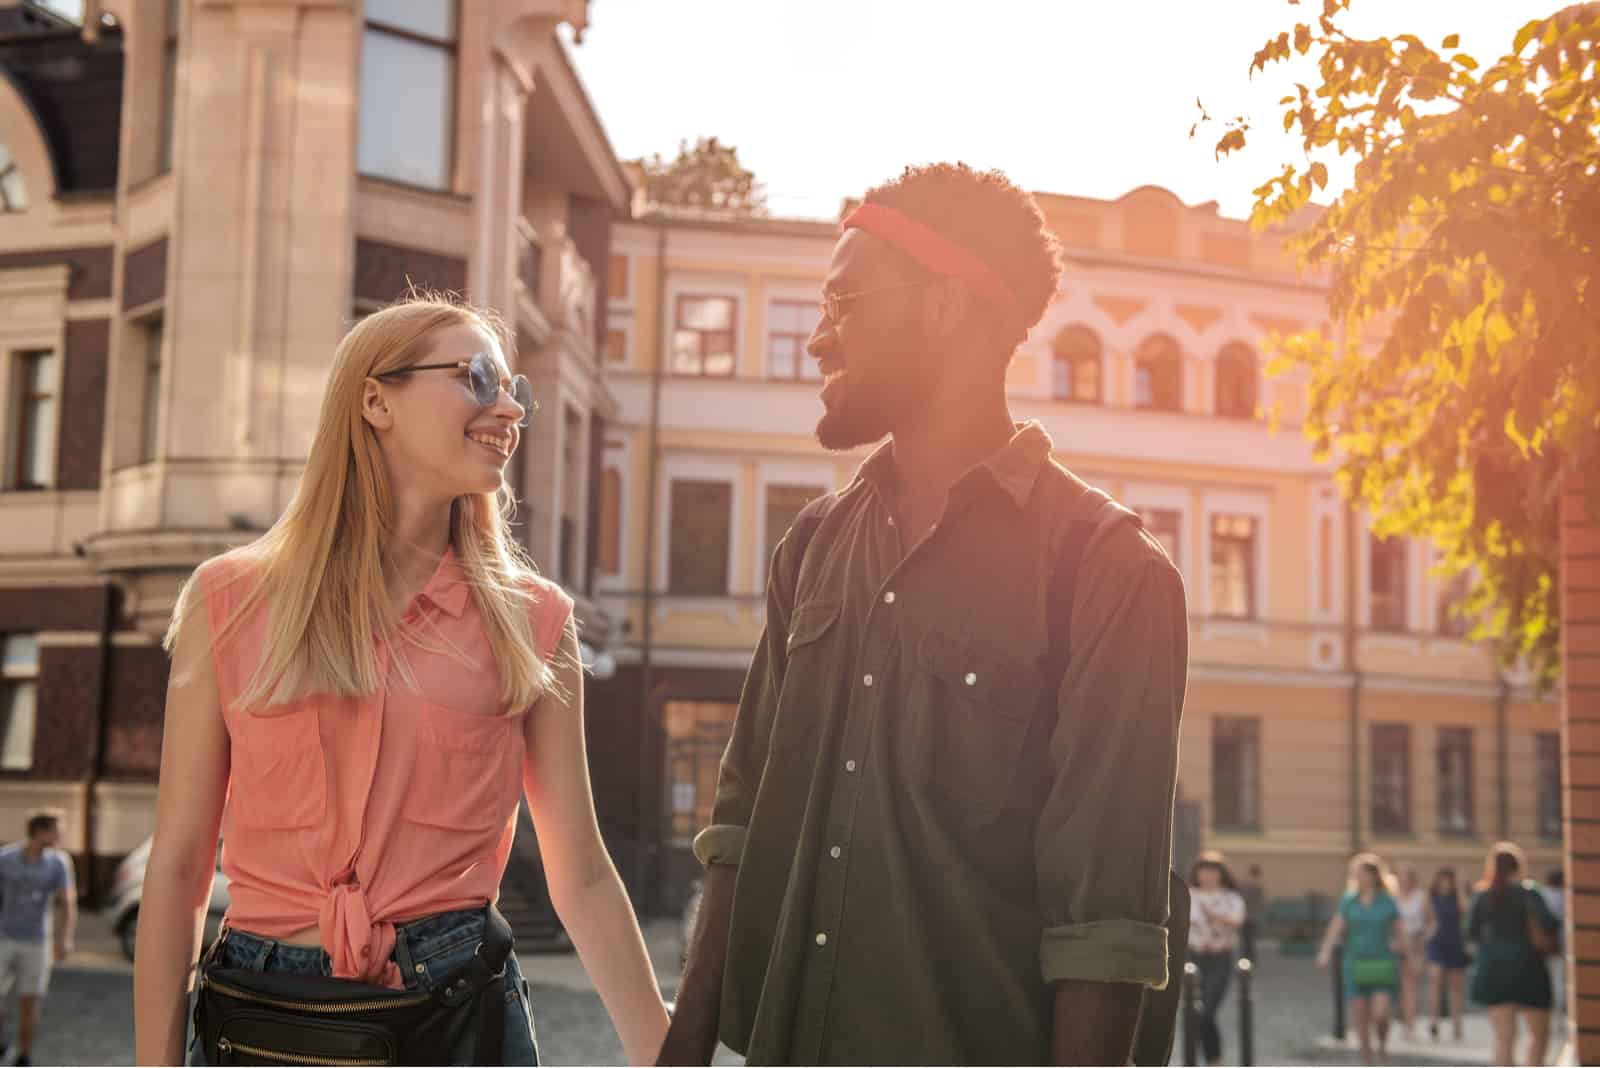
{"points": [[447, 588], [1014, 468]]}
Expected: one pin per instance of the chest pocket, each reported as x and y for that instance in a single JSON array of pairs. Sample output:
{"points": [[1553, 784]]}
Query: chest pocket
{"points": [[278, 777], [806, 674], [968, 716], [467, 769]]}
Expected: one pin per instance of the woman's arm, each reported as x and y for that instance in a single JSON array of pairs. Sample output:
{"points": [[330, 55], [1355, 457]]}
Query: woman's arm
{"points": [[177, 882], [584, 886], [1330, 939]]}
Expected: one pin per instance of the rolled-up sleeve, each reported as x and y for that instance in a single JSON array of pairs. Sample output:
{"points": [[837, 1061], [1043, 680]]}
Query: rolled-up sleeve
{"points": [[1104, 844], [739, 777]]}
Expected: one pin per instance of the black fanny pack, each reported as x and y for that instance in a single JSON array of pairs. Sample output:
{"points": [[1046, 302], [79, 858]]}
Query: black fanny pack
{"points": [[250, 1017]]}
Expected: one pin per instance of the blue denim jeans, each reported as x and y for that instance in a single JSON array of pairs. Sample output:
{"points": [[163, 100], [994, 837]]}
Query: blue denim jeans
{"points": [[426, 951]]}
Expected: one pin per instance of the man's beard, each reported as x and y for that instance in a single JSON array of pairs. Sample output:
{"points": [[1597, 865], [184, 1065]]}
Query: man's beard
{"points": [[860, 417]]}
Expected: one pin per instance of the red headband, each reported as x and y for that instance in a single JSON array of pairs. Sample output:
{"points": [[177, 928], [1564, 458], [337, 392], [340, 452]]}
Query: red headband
{"points": [[935, 252]]}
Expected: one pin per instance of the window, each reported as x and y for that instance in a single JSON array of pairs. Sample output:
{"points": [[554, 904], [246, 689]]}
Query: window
{"points": [[150, 407], [789, 324], [1455, 780], [697, 733], [1075, 365], [617, 277], [19, 684], [13, 190], [33, 448], [1158, 374], [1236, 382], [1236, 773], [783, 504], [1166, 526], [702, 341], [701, 520], [610, 520], [1233, 566], [575, 472], [1391, 778], [169, 89], [408, 91], [1386, 582], [1547, 751], [1452, 598], [616, 345]]}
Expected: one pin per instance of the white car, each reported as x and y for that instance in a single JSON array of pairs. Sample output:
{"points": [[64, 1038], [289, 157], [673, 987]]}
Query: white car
{"points": [[127, 890]]}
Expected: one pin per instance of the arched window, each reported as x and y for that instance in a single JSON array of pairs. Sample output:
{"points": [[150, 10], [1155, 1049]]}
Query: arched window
{"points": [[13, 191], [1236, 381], [1075, 365], [1158, 374]]}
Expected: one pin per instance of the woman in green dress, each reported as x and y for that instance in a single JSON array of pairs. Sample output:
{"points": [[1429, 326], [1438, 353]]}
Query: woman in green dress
{"points": [[1515, 932], [1367, 923]]}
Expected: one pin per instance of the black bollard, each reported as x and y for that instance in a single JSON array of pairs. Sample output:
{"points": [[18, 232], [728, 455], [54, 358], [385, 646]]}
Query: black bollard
{"points": [[1336, 969], [1247, 1013], [1191, 1013]]}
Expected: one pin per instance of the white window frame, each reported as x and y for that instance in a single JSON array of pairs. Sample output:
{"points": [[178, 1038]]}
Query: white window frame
{"points": [[783, 473], [706, 285], [9, 679], [700, 469], [452, 51], [618, 319], [1259, 507], [10, 419], [1410, 639]]}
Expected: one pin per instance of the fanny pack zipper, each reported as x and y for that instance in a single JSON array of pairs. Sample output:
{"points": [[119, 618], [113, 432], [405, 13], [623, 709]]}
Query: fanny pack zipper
{"points": [[321, 1007], [226, 1046]]}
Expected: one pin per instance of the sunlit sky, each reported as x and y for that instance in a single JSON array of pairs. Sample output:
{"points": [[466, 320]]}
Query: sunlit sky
{"points": [[824, 98]]}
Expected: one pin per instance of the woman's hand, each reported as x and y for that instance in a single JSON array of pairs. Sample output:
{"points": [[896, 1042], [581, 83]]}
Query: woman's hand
{"points": [[1324, 958]]}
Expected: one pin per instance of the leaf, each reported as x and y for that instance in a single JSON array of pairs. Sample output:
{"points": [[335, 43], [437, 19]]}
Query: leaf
{"points": [[1319, 175], [1524, 35], [1464, 61], [1302, 38], [1451, 41]]}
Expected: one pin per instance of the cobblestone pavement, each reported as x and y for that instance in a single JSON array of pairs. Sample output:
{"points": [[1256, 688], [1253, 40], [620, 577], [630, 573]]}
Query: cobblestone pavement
{"points": [[89, 1015]]}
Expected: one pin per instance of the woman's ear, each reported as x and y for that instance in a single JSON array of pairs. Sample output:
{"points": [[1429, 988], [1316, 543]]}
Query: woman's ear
{"points": [[375, 406]]}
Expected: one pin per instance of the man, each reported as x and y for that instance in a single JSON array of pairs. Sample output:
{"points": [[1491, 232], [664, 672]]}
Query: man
{"points": [[943, 826], [35, 876], [1254, 893]]}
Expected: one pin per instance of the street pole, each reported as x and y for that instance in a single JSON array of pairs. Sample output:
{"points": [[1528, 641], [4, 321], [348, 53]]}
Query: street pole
{"points": [[1191, 1036], [1247, 1023]]}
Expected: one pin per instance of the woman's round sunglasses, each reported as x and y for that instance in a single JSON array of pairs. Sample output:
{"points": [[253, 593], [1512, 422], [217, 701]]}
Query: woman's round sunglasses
{"points": [[484, 377]]}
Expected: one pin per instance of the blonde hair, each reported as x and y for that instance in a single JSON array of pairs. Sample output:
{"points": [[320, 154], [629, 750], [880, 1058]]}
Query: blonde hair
{"points": [[320, 568], [1386, 880]]}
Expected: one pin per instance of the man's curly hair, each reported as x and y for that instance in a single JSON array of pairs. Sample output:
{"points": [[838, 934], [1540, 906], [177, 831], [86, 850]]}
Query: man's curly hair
{"points": [[985, 213]]}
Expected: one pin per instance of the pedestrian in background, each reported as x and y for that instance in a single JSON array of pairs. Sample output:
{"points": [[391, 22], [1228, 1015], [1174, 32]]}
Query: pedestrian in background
{"points": [[359, 699], [1367, 924], [1514, 932], [1413, 905], [1447, 949], [36, 879], [1217, 914], [1554, 892]]}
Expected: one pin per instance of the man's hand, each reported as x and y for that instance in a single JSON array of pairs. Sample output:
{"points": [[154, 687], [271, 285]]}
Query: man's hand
{"points": [[1095, 1023], [64, 949], [692, 1037]]}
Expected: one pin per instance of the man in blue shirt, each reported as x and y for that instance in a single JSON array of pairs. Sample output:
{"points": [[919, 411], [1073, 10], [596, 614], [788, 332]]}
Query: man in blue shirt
{"points": [[35, 876]]}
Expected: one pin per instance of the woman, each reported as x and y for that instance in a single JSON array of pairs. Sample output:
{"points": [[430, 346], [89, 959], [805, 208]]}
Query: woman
{"points": [[1413, 906], [1216, 913], [1447, 950], [1368, 924], [1514, 931], [357, 700]]}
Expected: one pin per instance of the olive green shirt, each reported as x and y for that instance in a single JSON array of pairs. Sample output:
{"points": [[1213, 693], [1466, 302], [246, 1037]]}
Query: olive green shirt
{"points": [[933, 821]]}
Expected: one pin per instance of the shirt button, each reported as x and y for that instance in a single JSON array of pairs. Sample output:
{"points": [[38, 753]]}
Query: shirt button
{"points": [[866, 680], [834, 852], [421, 969], [972, 678], [849, 765], [888, 598], [822, 939]]}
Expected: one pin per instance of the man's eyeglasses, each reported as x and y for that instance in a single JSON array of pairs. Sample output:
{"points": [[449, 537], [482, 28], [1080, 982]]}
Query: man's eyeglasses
{"points": [[483, 375], [833, 312]]}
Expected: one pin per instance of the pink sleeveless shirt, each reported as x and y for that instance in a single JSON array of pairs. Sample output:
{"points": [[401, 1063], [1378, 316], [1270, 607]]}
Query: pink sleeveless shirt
{"points": [[354, 814]]}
